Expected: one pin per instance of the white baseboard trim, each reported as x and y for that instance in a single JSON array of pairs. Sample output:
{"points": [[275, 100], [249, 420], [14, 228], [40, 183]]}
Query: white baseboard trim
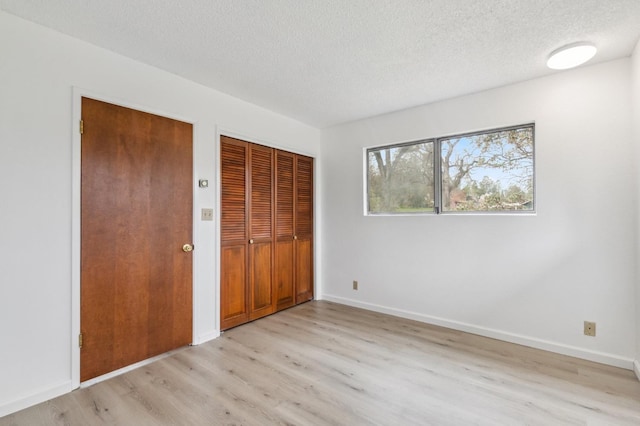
{"points": [[636, 368], [37, 397], [204, 338], [596, 356]]}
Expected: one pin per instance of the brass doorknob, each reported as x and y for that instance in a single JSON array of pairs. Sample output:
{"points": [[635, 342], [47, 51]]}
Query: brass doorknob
{"points": [[187, 248]]}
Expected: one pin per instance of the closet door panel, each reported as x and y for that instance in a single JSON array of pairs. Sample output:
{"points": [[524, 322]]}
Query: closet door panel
{"points": [[285, 290], [233, 287], [261, 290], [261, 193], [284, 195], [285, 213], [233, 221], [234, 256], [304, 270], [304, 197], [261, 225], [304, 228]]}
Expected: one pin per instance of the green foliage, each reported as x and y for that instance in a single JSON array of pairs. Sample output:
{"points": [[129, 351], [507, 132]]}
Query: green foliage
{"points": [[401, 179]]}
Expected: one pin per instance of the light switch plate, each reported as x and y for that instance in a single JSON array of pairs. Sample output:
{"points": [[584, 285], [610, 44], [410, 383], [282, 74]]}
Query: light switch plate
{"points": [[207, 214]]}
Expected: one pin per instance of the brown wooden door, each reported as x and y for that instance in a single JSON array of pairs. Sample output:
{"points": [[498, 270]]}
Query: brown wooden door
{"points": [[266, 231], [261, 294], [234, 258], [136, 281], [284, 246], [304, 228], [247, 224]]}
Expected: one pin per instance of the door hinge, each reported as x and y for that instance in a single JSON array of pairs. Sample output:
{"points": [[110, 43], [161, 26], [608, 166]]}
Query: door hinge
{"points": [[81, 126], [80, 340]]}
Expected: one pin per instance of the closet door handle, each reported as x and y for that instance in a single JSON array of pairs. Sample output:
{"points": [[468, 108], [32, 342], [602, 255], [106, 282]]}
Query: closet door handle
{"points": [[251, 241]]}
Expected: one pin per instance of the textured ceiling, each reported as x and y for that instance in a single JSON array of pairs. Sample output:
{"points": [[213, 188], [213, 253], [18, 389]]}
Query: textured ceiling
{"points": [[325, 62]]}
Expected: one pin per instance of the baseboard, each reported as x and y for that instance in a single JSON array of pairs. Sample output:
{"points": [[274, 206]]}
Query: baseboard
{"points": [[636, 368], [37, 397], [600, 357], [204, 338]]}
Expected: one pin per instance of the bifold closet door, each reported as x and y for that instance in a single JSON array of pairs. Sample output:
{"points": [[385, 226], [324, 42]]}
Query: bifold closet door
{"points": [[247, 222], [266, 231], [234, 253], [285, 213], [303, 237], [260, 224]]}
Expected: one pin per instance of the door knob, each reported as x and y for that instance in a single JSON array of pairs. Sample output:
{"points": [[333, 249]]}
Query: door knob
{"points": [[295, 237], [187, 248], [250, 241]]}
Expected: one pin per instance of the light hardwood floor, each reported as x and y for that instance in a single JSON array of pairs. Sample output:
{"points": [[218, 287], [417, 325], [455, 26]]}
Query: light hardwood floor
{"points": [[326, 364]]}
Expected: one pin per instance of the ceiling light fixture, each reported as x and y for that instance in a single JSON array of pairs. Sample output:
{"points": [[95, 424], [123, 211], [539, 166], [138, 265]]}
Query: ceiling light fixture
{"points": [[571, 56]]}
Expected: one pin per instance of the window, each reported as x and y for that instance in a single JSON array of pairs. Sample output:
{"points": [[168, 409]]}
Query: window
{"points": [[491, 171], [401, 179]]}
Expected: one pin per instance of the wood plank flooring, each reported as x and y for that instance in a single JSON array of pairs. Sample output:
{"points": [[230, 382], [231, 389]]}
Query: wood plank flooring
{"points": [[322, 363]]}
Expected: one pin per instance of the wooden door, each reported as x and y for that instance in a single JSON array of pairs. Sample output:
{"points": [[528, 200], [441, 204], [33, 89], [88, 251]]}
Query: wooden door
{"points": [[303, 228], [284, 244], [261, 294], [246, 265], [266, 231], [136, 280], [234, 257]]}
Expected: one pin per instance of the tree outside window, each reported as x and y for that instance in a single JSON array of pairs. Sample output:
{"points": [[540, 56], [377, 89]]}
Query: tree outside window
{"points": [[490, 171]]}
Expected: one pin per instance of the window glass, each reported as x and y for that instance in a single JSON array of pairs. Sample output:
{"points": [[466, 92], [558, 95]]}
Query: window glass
{"points": [[488, 172], [401, 179]]}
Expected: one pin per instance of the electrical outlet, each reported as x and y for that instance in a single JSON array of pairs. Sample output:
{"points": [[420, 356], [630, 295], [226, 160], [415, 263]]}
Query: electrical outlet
{"points": [[590, 328], [207, 214], [355, 284]]}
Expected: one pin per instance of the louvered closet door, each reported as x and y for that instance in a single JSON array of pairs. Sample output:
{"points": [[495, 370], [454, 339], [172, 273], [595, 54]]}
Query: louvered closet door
{"points": [[303, 228], [266, 231], [234, 292], [261, 224], [284, 252]]}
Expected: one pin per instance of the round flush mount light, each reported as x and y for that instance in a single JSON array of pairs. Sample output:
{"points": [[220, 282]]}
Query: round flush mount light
{"points": [[571, 56]]}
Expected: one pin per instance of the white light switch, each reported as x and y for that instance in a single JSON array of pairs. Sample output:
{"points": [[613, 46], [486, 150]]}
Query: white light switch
{"points": [[207, 214]]}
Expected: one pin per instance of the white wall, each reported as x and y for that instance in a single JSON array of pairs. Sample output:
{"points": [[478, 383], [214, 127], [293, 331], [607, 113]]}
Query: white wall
{"points": [[635, 98], [38, 70], [528, 279]]}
